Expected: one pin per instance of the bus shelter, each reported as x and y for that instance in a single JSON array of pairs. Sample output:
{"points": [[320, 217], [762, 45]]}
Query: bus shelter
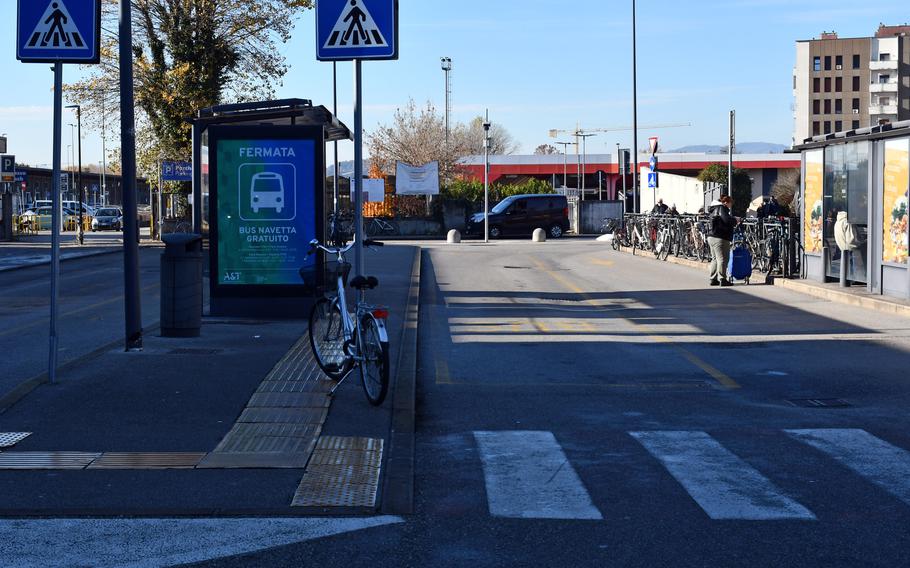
{"points": [[864, 173], [259, 192]]}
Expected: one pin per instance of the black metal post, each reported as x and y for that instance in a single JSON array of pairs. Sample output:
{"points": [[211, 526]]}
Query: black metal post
{"points": [[132, 306], [81, 232]]}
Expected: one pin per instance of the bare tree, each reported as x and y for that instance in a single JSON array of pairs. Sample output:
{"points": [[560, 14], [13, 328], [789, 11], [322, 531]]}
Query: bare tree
{"points": [[501, 140], [786, 186], [546, 149]]}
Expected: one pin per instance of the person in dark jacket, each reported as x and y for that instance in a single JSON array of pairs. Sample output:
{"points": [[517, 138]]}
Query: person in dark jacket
{"points": [[660, 208], [720, 239]]}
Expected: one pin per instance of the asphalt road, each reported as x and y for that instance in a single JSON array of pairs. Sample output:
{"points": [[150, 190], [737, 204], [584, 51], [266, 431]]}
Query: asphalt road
{"points": [[90, 310], [581, 407]]}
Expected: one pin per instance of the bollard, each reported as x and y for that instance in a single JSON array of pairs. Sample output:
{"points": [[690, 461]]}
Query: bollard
{"points": [[844, 260], [454, 237], [539, 236]]}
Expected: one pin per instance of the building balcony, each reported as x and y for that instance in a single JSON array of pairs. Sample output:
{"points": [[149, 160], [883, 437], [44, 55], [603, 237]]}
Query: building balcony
{"points": [[887, 87], [883, 65], [883, 109]]}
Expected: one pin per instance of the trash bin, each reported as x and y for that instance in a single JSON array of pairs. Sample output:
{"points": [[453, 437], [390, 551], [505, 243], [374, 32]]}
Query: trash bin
{"points": [[181, 285]]}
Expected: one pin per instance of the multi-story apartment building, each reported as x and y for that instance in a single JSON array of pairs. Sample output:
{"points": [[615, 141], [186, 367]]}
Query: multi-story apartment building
{"points": [[843, 84]]}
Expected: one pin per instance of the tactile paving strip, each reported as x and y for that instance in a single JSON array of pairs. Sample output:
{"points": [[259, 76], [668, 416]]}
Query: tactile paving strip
{"points": [[46, 460], [124, 460], [10, 439], [342, 472], [283, 419]]}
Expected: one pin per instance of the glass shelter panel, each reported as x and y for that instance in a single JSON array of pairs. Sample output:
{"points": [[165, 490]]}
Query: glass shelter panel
{"points": [[847, 190]]}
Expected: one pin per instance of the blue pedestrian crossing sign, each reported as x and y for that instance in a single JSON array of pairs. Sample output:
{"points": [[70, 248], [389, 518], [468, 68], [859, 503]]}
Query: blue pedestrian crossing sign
{"points": [[59, 31], [356, 29], [652, 180]]}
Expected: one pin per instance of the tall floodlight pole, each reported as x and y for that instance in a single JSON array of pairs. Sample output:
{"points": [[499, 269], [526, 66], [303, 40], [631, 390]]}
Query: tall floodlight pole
{"points": [[730, 150], [634, 114], [132, 306], [80, 235], [486, 177]]}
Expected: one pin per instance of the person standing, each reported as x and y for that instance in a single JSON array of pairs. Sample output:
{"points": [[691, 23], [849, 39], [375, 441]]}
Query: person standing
{"points": [[720, 239]]}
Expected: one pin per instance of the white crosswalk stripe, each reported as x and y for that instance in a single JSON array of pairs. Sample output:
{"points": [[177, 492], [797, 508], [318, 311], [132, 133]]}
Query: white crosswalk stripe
{"points": [[878, 461], [528, 476], [723, 485]]}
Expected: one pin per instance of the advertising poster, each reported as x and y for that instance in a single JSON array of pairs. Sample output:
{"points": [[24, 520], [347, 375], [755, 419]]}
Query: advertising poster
{"points": [[266, 210], [896, 184], [417, 180], [813, 187]]}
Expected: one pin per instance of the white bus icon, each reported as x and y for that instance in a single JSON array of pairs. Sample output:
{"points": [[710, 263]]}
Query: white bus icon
{"points": [[267, 192]]}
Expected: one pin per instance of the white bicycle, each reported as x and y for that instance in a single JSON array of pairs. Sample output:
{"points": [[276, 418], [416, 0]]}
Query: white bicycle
{"points": [[341, 340]]}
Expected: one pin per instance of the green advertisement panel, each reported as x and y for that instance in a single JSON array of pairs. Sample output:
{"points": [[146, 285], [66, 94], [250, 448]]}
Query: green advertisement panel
{"points": [[266, 211]]}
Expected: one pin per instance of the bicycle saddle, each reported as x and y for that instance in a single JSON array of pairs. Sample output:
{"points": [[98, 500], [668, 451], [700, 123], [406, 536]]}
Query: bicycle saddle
{"points": [[364, 282]]}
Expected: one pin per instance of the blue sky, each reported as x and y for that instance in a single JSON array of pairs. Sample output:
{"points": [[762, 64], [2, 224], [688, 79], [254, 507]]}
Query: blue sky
{"points": [[537, 65]]}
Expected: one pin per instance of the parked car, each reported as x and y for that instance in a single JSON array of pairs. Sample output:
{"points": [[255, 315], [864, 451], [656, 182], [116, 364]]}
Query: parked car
{"points": [[521, 214], [107, 218], [39, 218]]}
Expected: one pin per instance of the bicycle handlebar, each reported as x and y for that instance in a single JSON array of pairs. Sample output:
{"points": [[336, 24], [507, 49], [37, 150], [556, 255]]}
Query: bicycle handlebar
{"points": [[316, 245]]}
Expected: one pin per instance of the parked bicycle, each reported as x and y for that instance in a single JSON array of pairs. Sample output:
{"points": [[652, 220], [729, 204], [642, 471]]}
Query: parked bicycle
{"points": [[341, 339], [381, 227]]}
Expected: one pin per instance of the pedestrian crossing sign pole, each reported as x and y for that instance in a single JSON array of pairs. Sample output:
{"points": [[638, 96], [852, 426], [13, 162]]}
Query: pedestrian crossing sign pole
{"points": [[354, 30], [58, 32]]}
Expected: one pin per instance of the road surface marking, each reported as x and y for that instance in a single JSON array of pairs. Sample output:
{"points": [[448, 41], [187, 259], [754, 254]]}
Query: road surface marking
{"points": [[723, 485], [137, 543], [89, 308], [712, 371], [875, 459], [529, 477]]}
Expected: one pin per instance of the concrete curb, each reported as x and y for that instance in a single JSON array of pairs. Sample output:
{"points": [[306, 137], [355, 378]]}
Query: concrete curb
{"points": [[28, 385], [833, 295], [398, 484], [75, 256]]}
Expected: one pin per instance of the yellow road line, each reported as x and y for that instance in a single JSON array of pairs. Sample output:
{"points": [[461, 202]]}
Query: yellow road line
{"points": [[712, 371]]}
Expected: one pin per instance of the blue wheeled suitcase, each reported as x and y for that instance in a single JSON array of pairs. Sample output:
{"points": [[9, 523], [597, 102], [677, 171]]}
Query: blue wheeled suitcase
{"points": [[740, 267]]}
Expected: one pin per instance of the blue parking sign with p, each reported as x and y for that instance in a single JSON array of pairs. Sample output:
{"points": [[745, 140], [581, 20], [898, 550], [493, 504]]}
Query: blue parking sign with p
{"points": [[59, 31]]}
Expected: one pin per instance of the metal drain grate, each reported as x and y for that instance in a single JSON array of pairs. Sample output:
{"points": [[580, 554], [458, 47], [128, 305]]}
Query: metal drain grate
{"points": [[820, 403], [193, 351], [171, 460], [10, 439], [342, 472]]}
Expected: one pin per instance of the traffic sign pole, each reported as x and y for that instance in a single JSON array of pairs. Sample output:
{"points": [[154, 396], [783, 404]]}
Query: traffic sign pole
{"points": [[357, 182], [55, 221]]}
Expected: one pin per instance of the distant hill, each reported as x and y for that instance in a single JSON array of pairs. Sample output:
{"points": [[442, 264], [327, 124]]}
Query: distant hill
{"points": [[741, 148], [346, 169]]}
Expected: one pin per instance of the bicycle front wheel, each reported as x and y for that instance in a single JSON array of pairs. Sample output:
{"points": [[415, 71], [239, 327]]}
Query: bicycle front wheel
{"points": [[374, 362], [327, 339]]}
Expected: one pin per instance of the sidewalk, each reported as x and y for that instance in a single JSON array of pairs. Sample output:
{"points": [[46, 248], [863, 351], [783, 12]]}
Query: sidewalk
{"points": [[140, 429]]}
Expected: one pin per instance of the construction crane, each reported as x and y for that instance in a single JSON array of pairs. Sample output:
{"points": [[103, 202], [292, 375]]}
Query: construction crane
{"points": [[555, 132], [584, 133]]}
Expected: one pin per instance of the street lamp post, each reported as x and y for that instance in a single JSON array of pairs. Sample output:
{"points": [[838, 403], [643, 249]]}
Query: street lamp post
{"points": [[565, 162], [446, 63], [584, 160], [80, 235], [486, 178], [634, 114]]}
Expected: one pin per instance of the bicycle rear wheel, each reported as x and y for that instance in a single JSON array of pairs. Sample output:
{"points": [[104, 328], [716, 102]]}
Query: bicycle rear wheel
{"points": [[374, 363], [327, 339]]}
